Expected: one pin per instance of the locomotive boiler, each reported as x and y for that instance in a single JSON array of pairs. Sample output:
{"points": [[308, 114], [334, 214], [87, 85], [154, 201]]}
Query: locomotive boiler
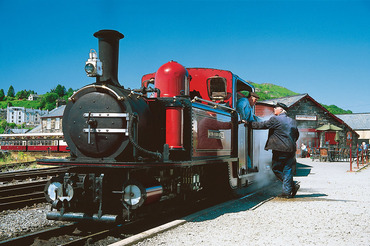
{"points": [[175, 136]]}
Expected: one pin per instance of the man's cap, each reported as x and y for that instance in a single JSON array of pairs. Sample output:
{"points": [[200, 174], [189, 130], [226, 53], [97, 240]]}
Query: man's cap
{"points": [[281, 105], [254, 95]]}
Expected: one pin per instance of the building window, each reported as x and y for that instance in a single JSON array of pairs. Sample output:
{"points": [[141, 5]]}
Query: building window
{"points": [[57, 123], [48, 124]]}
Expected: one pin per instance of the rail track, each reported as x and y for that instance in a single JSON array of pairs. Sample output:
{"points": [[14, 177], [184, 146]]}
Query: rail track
{"points": [[29, 174], [103, 234], [10, 166], [22, 194], [98, 234], [26, 187]]}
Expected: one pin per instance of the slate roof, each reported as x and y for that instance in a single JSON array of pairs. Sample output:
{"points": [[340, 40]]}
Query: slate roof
{"points": [[359, 121], [57, 112], [17, 131], [289, 101], [37, 129]]}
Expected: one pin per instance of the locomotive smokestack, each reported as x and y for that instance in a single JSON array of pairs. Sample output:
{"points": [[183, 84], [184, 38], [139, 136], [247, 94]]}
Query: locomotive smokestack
{"points": [[108, 54]]}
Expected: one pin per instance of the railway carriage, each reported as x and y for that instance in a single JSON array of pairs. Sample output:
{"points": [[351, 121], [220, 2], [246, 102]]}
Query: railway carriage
{"points": [[33, 142], [177, 135]]}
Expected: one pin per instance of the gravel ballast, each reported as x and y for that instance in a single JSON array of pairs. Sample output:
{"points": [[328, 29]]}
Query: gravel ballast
{"points": [[332, 207], [19, 222]]}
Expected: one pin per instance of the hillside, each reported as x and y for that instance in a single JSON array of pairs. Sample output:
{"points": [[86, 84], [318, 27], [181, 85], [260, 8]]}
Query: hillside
{"points": [[270, 91], [21, 103]]}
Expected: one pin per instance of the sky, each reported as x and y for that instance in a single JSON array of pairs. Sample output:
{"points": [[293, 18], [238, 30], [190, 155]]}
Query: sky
{"points": [[317, 47]]}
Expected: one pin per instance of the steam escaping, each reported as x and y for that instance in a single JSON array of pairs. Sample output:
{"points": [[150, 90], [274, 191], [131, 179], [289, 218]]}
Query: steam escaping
{"points": [[264, 158]]}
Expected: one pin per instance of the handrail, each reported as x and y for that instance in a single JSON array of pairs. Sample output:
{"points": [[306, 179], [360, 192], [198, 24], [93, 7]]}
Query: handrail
{"points": [[215, 105], [97, 86]]}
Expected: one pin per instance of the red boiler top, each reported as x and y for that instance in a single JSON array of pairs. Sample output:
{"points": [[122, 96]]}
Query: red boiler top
{"points": [[172, 79]]}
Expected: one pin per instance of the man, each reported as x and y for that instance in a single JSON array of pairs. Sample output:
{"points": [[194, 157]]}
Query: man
{"points": [[283, 134], [303, 150], [244, 106]]}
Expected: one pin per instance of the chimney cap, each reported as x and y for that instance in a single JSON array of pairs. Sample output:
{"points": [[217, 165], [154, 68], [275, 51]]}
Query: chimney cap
{"points": [[108, 33]]}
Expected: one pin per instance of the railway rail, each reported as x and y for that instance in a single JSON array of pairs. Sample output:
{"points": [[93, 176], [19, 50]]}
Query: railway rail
{"points": [[20, 195], [24, 188], [82, 234], [6, 167], [30, 174], [91, 234]]}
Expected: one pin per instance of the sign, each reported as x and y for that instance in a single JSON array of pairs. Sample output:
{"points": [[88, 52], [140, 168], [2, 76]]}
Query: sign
{"points": [[306, 117], [349, 138], [216, 134]]}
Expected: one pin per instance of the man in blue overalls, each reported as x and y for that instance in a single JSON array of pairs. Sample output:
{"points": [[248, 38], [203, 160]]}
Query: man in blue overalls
{"points": [[244, 106], [283, 134]]}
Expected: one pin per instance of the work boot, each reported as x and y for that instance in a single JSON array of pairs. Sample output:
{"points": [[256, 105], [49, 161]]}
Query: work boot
{"points": [[286, 196], [295, 189]]}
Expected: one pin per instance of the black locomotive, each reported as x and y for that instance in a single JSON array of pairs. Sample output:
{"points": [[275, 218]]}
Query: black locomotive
{"points": [[178, 134]]}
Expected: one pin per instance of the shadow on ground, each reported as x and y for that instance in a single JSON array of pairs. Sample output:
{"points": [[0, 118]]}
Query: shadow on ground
{"points": [[302, 170]]}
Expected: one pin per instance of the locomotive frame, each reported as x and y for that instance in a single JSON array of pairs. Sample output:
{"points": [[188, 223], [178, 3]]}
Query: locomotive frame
{"points": [[178, 135]]}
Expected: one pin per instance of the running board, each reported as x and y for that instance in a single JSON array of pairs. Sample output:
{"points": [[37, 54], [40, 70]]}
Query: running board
{"points": [[107, 218]]}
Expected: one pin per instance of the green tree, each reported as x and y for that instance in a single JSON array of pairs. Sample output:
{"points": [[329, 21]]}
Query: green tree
{"points": [[70, 92], [29, 92], [2, 95], [60, 90], [12, 125], [21, 94], [3, 125], [11, 92], [49, 100]]}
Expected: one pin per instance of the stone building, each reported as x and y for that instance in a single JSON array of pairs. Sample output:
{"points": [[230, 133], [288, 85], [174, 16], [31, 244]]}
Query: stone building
{"points": [[311, 116], [20, 115], [53, 121]]}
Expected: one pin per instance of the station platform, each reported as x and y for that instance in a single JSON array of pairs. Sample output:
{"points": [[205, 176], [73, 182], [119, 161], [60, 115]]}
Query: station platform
{"points": [[332, 207]]}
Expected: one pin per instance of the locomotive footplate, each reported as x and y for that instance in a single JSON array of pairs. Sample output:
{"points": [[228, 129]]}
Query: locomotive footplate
{"points": [[114, 164]]}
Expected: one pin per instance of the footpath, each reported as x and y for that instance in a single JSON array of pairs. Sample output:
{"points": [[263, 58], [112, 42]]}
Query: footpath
{"points": [[332, 207]]}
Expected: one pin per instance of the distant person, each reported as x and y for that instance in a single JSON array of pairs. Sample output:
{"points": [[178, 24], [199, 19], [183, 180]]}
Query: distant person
{"points": [[244, 106], [282, 137], [363, 146], [303, 150]]}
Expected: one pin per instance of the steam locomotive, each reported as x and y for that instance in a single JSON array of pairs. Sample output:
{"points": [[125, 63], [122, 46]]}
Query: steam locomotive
{"points": [[177, 135]]}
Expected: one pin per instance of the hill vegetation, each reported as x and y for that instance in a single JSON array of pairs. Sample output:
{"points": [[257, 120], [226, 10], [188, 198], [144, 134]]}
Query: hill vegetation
{"points": [[46, 101], [336, 110], [268, 91]]}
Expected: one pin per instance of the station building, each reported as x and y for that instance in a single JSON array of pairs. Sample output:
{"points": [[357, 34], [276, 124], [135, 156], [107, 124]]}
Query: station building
{"points": [[360, 123], [317, 126]]}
